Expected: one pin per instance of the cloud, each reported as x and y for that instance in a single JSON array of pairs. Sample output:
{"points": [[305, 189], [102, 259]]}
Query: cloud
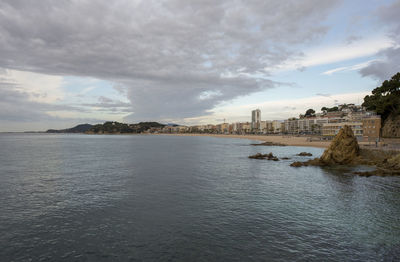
{"points": [[389, 64], [110, 105], [334, 53], [17, 106], [21, 109], [386, 67], [165, 54], [39, 87], [324, 95], [349, 68], [87, 90], [352, 38]]}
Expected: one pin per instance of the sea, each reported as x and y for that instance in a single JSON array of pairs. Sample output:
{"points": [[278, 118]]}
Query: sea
{"points": [[75, 197]]}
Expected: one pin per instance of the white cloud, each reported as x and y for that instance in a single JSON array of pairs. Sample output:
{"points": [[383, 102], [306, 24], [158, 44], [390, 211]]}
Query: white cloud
{"points": [[349, 68], [100, 116], [337, 53], [40, 87], [87, 90]]}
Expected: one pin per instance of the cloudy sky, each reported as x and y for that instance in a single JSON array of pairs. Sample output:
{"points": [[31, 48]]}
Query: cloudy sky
{"points": [[189, 62]]}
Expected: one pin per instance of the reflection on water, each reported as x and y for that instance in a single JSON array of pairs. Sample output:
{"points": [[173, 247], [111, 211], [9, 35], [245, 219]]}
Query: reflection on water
{"points": [[102, 198]]}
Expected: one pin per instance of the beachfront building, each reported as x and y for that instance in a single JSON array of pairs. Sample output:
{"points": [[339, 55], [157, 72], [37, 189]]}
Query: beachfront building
{"points": [[276, 126], [331, 129], [234, 128], [244, 128], [310, 125], [283, 130], [371, 127], [304, 125], [266, 127], [223, 128], [292, 126], [175, 129], [263, 127], [256, 119], [180, 129]]}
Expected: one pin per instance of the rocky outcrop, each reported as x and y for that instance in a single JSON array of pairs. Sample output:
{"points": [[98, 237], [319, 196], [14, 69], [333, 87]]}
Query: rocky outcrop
{"points": [[269, 144], [343, 150], [391, 127], [304, 154], [311, 162], [269, 156]]}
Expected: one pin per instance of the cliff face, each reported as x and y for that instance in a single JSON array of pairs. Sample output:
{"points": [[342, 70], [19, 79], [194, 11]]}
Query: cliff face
{"points": [[391, 128], [344, 148]]}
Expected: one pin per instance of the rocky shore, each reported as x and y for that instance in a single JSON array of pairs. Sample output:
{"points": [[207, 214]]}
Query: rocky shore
{"points": [[345, 151], [268, 143]]}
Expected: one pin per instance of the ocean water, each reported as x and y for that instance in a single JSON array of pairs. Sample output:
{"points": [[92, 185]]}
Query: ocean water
{"points": [[167, 198]]}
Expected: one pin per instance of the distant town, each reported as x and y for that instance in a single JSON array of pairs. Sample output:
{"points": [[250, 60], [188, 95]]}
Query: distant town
{"points": [[365, 124]]}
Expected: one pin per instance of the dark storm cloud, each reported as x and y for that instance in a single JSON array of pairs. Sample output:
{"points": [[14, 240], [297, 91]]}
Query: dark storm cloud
{"points": [[167, 54], [389, 65]]}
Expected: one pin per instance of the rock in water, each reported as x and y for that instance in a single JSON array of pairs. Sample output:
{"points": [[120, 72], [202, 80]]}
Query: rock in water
{"points": [[269, 156], [304, 154], [343, 150]]}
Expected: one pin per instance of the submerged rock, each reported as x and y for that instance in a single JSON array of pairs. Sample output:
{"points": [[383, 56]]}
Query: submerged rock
{"points": [[304, 154], [365, 173], [258, 156], [343, 150], [311, 162], [297, 164]]}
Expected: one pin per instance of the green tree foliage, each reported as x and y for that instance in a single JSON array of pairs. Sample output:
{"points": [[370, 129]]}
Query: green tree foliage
{"points": [[116, 127], [385, 99], [331, 109], [310, 112]]}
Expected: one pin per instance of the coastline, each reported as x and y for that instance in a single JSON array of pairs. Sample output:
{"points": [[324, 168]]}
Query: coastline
{"points": [[287, 140]]}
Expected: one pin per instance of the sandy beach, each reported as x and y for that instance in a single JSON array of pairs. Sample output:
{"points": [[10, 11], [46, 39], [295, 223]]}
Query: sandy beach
{"points": [[287, 140]]}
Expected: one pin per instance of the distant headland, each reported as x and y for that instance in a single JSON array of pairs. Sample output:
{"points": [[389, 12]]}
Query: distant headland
{"points": [[112, 128]]}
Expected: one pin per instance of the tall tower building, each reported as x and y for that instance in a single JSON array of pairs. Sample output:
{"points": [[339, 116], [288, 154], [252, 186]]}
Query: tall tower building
{"points": [[255, 119]]}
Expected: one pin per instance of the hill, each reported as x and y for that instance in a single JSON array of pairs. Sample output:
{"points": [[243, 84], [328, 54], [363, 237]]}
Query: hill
{"points": [[77, 129], [122, 128]]}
